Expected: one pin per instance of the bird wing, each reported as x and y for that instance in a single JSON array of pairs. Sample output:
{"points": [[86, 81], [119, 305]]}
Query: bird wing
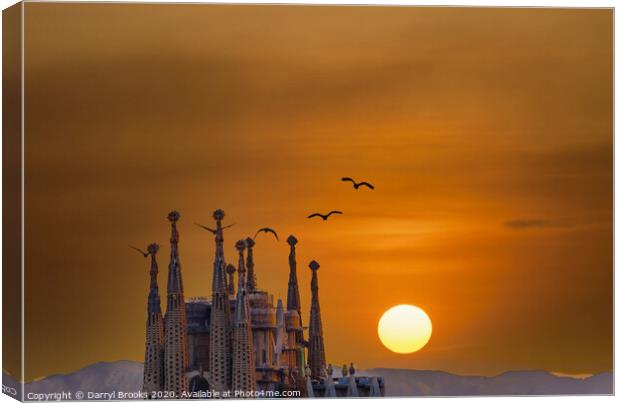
{"points": [[272, 231], [334, 212], [204, 227], [315, 215], [347, 179], [367, 184], [139, 250], [267, 229]]}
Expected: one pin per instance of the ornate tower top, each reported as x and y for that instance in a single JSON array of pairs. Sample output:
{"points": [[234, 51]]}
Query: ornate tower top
{"points": [[293, 302], [219, 265], [314, 265], [175, 283], [174, 216], [230, 270], [250, 265], [218, 214], [154, 294], [291, 240], [316, 347], [152, 249], [241, 311]]}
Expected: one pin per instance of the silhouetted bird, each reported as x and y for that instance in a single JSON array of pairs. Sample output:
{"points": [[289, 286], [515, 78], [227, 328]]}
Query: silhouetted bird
{"points": [[325, 216], [265, 230], [140, 250], [356, 185], [212, 230]]}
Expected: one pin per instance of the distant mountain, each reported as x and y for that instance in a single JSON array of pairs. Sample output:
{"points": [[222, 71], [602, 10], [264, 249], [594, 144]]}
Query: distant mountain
{"points": [[404, 382], [126, 376], [123, 376]]}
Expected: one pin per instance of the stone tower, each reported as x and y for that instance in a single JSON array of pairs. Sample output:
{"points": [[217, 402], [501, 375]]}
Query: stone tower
{"points": [[293, 302], [251, 283], [316, 347], [153, 380], [176, 355], [243, 375], [293, 322], [220, 325], [230, 270]]}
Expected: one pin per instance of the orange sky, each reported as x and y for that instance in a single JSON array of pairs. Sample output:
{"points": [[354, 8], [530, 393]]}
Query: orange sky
{"points": [[487, 132]]}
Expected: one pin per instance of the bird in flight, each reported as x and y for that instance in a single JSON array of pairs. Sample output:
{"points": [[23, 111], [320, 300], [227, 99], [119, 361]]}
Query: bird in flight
{"points": [[356, 185], [266, 230], [325, 216], [139, 250], [212, 230]]}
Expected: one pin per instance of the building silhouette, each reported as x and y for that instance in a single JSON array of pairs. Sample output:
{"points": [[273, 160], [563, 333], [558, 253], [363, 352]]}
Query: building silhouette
{"points": [[240, 341]]}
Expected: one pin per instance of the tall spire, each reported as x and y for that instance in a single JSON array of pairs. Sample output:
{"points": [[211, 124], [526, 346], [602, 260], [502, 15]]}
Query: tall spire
{"points": [[219, 278], [250, 265], [293, 301], [316, 347], [154, 305], [176, 356], [175, 282], [220, 337], [230, 270], [153, 378], [243, 373], [294, 325]]}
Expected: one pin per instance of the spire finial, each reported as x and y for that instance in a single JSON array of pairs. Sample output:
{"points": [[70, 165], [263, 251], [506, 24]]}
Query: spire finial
{"points": [[219, 214], [152, 249], [314, 265], [291, 240], [174, 216]]}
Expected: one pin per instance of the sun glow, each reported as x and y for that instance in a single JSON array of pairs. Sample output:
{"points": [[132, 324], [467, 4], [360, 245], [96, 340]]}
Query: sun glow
{"points": [[405, 329]]}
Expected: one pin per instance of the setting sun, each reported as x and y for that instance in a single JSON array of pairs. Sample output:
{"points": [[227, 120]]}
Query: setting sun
{"points": [[405, 329]]}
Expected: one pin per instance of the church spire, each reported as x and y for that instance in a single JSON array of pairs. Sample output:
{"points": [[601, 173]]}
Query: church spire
{"points": [[293, 301], [250, 265], [243, 373], [154, 301], [153, 374], [242, 312], [176, 356], [175, 282], [316, 347], [219, 265], [219, 327], [230, 270]]}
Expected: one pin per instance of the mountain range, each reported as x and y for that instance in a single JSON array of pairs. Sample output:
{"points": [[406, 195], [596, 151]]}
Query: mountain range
{"points": [[126, 376]]}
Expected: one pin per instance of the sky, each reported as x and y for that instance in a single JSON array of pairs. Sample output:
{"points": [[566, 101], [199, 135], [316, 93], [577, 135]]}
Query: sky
{"points": [[486, 132]]}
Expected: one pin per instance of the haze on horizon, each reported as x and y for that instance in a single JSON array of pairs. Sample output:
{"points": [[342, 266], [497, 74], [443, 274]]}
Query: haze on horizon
{"points": [[487, 133]]}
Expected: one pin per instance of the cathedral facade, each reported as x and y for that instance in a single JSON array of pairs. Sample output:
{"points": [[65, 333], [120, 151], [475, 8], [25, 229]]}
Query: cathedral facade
{"points": [[239, 340]]}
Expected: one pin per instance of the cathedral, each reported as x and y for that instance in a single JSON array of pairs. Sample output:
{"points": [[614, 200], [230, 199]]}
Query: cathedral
{"points": [[239, 343]]}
